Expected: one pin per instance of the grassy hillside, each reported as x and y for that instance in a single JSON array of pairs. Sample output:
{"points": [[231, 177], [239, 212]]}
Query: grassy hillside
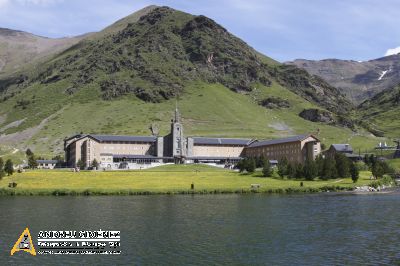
{"points": [[126, 77], [207, 109], [382, 112]]}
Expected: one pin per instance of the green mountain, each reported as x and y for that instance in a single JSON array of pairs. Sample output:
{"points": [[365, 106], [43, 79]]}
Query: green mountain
{"points": [[382, 112], [126, 77]]}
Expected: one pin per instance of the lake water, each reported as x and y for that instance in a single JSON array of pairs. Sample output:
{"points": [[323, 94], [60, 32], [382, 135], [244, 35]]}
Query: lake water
{"points": [[316, 229]]}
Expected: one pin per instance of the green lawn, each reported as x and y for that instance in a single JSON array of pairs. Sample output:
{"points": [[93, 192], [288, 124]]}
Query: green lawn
{"points": [[167, 179], [395, 163]]}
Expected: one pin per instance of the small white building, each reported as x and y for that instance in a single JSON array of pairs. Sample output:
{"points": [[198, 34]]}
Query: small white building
{"points": [[46, 164]]}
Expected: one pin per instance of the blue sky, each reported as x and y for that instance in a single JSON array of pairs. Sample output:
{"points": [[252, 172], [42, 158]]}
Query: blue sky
{"points": [[282, 29]]}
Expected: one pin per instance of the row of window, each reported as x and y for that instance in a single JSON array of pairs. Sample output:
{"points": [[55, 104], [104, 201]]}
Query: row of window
{"points": [[125, 148]]}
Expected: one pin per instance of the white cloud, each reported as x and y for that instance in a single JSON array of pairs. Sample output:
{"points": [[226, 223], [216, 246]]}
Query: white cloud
{"points": [[393, 51]]}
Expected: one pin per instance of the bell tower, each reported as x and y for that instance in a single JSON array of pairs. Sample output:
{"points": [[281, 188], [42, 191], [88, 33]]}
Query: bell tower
{"points": [[178, 140]]}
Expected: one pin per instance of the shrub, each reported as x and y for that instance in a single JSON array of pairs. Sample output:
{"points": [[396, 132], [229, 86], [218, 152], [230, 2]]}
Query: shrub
{"points": [[81, 164], [361, 166], [385, 180]]}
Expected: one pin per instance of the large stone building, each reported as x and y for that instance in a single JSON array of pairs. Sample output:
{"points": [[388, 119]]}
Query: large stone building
{"points": [[295, 149], [132, 152]]}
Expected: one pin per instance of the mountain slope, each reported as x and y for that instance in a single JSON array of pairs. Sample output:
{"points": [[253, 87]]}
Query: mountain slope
{"points": [[382, 112], [154, 56], [120, 80], [358, 80], [18, 48]]}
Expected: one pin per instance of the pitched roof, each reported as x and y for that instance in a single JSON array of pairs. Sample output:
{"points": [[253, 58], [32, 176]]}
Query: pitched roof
{"points": [[221, 141], [102, 138], [74, 136], [47, 161], [213, 158], [342, 147], [279, 141], [134, 156]]}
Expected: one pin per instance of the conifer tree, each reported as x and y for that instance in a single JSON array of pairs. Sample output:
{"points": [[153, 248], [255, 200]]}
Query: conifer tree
{"points": [[2, 173], [282, 167], [377, 170], [9, 167], [329, 169], [342, 165], [319, 161], [310, 170], [251, 165], [32, 163], [299, 171], [291, 171], [95, 163], [354, 172], [28, 152], [267, 171], [81, 164]]}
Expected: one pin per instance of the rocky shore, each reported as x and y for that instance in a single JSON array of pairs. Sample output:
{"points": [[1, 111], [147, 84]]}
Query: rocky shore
{"points": [[372, 189]]}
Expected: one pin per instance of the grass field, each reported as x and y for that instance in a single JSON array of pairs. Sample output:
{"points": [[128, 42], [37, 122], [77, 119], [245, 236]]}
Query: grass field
{"points": [[167, 179]]}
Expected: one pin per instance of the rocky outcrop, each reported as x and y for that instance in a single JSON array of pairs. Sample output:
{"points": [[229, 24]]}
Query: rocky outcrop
{"points": [[321, 116], [274, 103], [317, 115]]}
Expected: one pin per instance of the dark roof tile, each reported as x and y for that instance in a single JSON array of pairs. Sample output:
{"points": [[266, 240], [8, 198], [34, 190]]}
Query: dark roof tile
{"points": [[220, 141], [342, 147], [113, 138], [278, 141], [47, 161]]}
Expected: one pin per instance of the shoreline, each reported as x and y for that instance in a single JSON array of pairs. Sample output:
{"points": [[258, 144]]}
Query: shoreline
{"points": [[95, 192]]}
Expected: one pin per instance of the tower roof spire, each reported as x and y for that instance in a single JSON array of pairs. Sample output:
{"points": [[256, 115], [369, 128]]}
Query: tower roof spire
{"points": [[177, 114]]}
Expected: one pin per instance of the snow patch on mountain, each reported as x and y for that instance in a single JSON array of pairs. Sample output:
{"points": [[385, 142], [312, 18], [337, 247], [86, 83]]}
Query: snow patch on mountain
{"points": [[383, 74]]}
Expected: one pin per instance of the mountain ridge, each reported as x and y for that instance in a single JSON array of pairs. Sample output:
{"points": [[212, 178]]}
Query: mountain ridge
{"points": [[142, 65], [20, 48], [358, 80], [164, 34]]}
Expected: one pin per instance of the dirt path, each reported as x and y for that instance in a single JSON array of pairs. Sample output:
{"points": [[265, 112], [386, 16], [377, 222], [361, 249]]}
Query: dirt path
{"points": [[24, 135]]}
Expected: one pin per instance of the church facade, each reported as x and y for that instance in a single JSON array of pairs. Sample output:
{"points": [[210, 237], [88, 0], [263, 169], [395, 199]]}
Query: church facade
{"points": [[138, 152]]}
